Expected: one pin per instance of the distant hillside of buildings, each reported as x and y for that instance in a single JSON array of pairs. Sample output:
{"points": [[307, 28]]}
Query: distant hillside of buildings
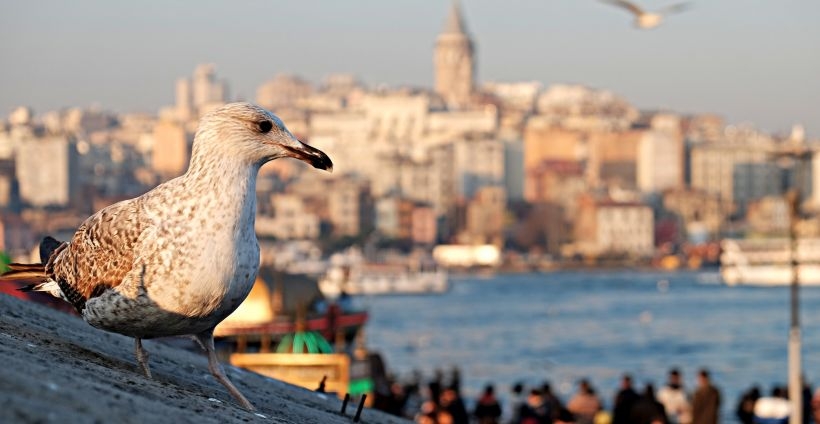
{"points": [[563, 171]]}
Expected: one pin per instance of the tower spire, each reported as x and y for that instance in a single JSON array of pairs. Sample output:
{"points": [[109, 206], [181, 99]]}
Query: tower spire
{"points": [[455, 21], [454, 60]]}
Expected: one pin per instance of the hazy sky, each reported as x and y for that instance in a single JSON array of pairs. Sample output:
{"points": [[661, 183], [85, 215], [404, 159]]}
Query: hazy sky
{"points": [[749, 60]]}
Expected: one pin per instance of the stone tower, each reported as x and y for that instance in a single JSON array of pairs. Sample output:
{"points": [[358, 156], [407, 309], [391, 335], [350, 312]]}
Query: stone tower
{"points": [[454, 61]]}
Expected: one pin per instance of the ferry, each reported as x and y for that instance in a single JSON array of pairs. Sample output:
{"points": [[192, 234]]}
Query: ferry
{"points": [[352, 274], [768, 262]]}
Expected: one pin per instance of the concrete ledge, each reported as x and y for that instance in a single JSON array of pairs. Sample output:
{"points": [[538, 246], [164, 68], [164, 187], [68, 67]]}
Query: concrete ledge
{"points": [[56, 368]]}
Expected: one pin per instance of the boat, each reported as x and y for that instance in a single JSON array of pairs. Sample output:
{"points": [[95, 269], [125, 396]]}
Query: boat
{"points": [[286, 329], [281, 304], [768, 262], [352, 274]]}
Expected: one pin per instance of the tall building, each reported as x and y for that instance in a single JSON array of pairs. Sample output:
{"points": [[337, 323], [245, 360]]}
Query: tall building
{"points": [[55, 184], [172, 149], [184, 99], [514, 168], [9, 190], [197, 95], [350, 207], [478, 163], [734, 172], [394, 217], [454, 61], [206, 89], [660, 155]]}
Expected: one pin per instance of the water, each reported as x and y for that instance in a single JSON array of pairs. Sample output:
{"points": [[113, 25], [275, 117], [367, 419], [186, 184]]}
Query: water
{"points": [[567, 325]]}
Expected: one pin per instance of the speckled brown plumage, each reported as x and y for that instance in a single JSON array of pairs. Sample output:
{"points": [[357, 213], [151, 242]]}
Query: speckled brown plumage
{"points": [[183, 256]]}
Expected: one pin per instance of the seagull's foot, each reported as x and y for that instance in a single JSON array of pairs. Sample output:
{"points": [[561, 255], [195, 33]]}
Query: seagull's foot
{"points": [[206, 339], [142, 357]]}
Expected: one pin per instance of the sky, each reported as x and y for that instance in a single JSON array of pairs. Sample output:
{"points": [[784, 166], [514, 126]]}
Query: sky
{"points": [[752, 61]]}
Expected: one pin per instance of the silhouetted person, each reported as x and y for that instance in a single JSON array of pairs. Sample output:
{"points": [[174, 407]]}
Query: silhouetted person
{"points": [[807, 409], [815, 406], [624, 400], [556, 408], [413, 398], [535, 411], [705, 401], [745, 410], [774, 409], [452, 403], [455, 379], [647, 409], [487, 409], [435, 386], [396, 401], [515, 403], [427, 410], [585, 404], [674, 399]]}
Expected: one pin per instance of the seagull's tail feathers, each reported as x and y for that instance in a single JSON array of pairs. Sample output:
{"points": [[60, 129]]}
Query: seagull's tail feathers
{"points": [[34, 275], [35, 278], [26, 272]]}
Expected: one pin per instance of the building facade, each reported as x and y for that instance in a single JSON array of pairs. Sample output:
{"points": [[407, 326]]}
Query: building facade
{"points": [[55, 184]]}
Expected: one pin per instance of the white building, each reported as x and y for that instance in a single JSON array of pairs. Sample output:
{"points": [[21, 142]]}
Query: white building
{"points": [[583, 108], [660, 156], [478, 162], [47, 184], [624, 228], [715, 166], [451, 123], [519, 96], [291, 221]]}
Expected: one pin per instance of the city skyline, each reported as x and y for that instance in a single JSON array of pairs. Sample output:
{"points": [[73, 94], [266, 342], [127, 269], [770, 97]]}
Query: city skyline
{"points": [[758, 67]]}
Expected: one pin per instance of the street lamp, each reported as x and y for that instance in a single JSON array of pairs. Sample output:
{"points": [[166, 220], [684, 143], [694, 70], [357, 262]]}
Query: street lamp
{"points": [[796, 156]]}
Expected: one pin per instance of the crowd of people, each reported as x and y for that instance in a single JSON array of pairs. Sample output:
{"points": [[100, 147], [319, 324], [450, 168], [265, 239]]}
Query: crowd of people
{"points": [[438, 402]]}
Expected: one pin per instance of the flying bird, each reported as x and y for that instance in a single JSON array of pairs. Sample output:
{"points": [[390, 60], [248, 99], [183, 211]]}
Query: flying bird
{"points": [[180, 258], [644, 19]]}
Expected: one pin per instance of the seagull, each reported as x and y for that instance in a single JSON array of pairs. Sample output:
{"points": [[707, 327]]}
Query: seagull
{"points": [[647, 20], [180, 258]]}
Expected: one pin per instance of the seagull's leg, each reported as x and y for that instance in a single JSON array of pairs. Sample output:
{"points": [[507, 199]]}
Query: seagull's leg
{"points": [[206, 339], [142, 356]]}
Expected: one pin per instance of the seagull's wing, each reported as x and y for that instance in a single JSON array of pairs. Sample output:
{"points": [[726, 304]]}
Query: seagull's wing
{"points": [[633, 8], [675, 8], [99, 255]]}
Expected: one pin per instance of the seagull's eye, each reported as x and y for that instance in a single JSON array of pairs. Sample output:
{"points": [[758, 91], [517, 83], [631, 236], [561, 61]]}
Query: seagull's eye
{"points": [[265, 126]]}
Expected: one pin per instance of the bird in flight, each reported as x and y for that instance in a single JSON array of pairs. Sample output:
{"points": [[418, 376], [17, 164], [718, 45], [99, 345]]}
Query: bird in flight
{"points": [[180, 258], [644, 19]]}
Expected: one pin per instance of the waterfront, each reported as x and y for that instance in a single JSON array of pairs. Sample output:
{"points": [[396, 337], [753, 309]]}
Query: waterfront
{"points": [[599, 324]]}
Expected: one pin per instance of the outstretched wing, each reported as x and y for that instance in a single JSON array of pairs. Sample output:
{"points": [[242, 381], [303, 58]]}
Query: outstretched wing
{"points": [[99, 255], [633, 8], [675, 8]]}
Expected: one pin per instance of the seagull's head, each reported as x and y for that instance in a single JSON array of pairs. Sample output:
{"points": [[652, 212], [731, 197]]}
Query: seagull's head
{"points": [[254, 134]]}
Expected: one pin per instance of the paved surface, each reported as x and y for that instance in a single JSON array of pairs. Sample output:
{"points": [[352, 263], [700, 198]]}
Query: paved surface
{"points": [[56, 368]]}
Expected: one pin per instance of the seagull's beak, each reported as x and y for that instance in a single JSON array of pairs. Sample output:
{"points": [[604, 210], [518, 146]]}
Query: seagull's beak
{"points": [[310, 155]]}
